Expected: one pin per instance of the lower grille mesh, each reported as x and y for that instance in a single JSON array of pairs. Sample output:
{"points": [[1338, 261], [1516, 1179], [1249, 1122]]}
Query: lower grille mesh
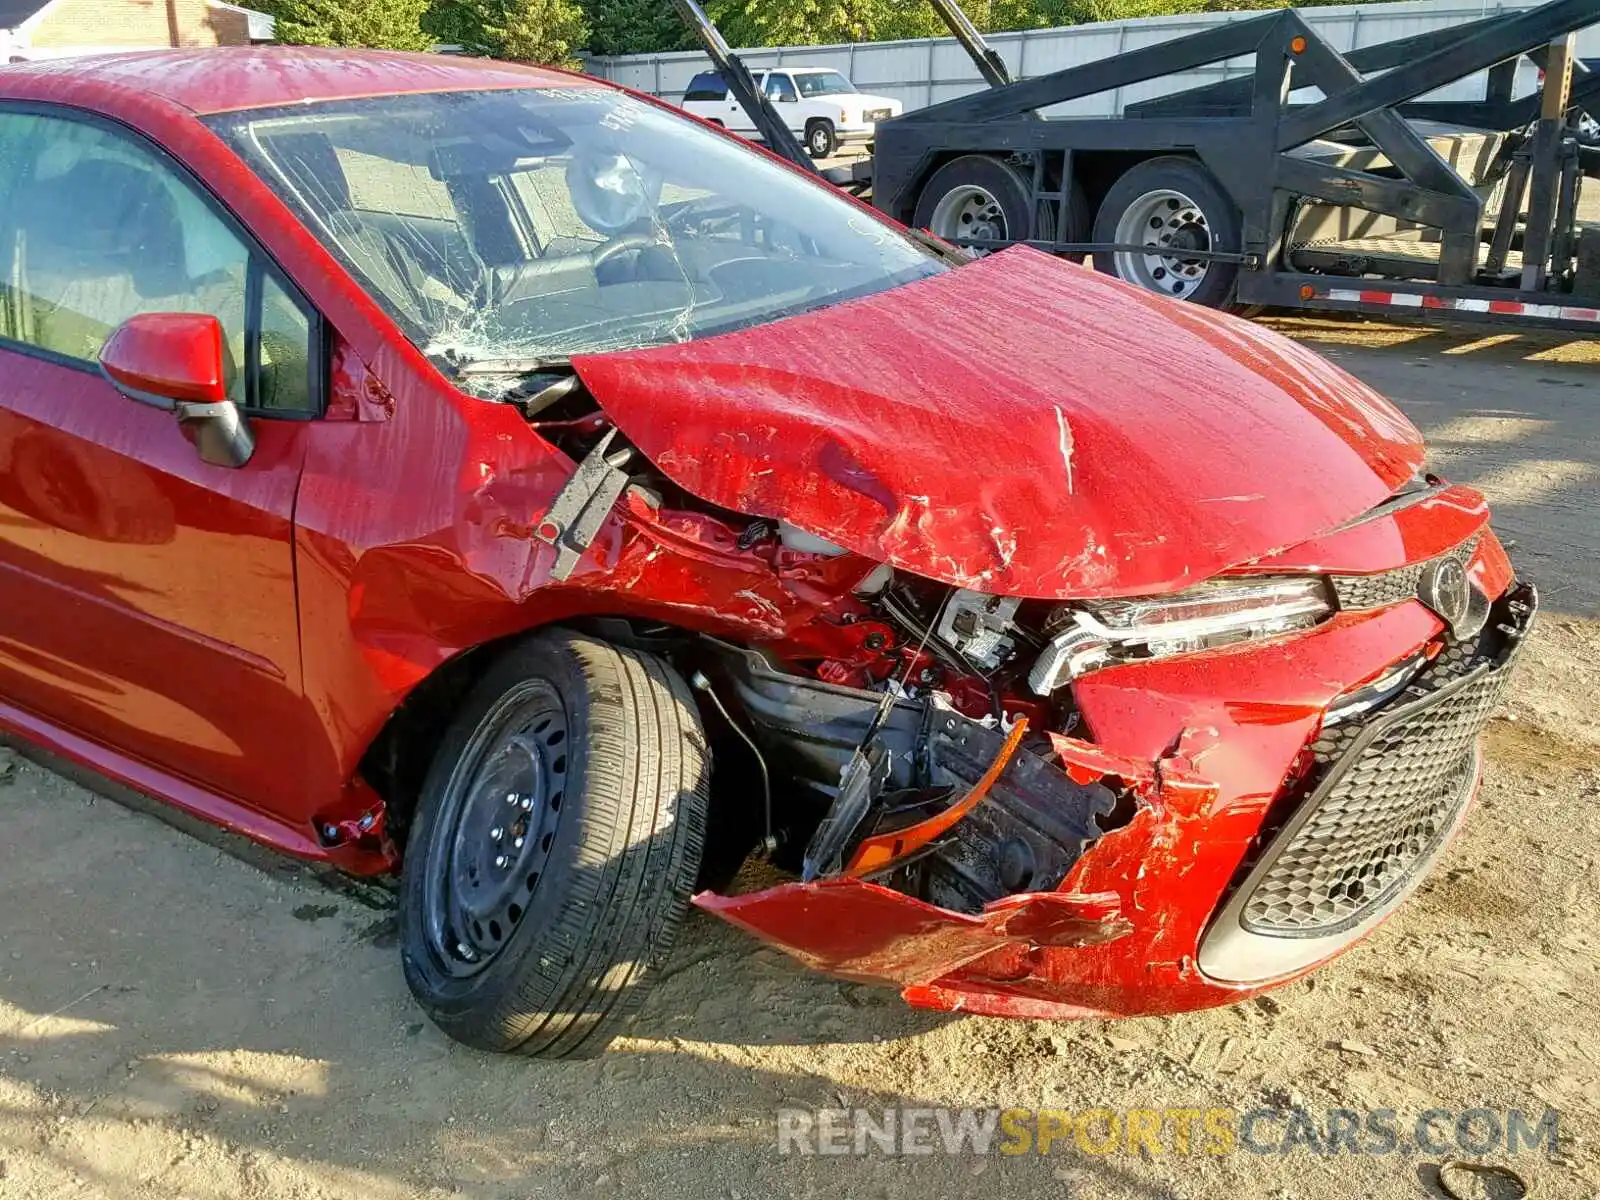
{"points": [[1390, 803]]}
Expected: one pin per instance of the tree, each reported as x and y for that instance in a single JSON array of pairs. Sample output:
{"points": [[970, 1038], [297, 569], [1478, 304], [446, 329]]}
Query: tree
{"points": [[813, 22], [544, 31], [636, 27], [377, 24], [451, 22]]}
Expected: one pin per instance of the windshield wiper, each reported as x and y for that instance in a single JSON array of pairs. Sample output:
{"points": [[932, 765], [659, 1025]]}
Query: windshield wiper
{"points": [[530, 365], [956, 256]]}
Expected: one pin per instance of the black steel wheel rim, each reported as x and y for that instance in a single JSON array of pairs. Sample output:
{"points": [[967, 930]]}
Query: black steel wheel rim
{"points": [[497, 823]]}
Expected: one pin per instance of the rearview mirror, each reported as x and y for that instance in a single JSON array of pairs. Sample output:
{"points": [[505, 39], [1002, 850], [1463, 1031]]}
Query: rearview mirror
{"points": [[173, 361]]}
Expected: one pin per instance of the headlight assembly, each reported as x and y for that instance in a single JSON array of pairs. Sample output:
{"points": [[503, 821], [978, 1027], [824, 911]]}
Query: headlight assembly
{"points": [[1217, 613]]}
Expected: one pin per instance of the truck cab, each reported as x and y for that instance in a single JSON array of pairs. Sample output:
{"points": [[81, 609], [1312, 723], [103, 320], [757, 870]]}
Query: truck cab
{"points": [[818, 104]]}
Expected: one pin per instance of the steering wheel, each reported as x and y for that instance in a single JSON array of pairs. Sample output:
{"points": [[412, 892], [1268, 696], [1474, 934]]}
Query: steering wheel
{"points": [[622, 243]]}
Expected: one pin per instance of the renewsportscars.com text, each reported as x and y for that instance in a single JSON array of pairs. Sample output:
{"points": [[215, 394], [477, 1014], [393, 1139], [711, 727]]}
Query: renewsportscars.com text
{"points": [[1164, 1131]]}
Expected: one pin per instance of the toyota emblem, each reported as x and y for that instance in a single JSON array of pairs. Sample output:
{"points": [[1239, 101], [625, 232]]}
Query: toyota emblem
{"points": [[1443, 587]]}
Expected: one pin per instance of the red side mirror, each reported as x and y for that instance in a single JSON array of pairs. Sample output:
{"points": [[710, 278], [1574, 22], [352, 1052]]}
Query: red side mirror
{"points": [[173, 361], [166, 359]]}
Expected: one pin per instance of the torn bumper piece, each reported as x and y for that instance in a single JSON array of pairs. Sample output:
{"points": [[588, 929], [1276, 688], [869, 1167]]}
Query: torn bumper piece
{"points": [[856, 929], [865, 932]]}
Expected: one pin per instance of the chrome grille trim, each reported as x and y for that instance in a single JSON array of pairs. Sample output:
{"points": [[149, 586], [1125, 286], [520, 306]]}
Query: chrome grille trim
{"points": [[1360, 593]]}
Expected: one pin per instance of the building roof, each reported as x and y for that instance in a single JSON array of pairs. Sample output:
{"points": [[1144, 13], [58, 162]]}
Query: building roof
{"points": [[263, 26], [18, 12], [223, 79]]}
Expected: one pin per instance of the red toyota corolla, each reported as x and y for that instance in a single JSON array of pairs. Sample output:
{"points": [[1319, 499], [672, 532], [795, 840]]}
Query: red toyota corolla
{"points": [[407, 453]]}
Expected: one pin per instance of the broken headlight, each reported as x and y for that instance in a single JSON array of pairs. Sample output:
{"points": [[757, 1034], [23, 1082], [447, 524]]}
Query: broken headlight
{"points": [[1218, 613]]}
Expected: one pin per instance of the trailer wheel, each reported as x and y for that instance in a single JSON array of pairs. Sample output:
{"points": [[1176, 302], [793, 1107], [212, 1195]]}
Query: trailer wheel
{"points": [[980, 196], [976, 196], [1170, 205], [555, 847]]}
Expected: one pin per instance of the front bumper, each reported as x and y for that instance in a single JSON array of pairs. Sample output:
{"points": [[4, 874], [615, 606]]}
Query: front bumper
{"points": [[1170, 911], [1383, 798]]}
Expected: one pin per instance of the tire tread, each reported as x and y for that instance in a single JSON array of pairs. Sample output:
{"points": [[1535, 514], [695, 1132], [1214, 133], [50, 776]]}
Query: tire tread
{"points": [[645, 774]]}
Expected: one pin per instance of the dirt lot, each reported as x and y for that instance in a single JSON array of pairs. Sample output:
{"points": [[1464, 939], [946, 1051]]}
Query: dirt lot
{"points": [[176, 1022]]}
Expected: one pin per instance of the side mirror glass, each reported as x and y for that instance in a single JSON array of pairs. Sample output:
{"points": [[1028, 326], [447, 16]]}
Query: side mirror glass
{"points": [[173, 361]]}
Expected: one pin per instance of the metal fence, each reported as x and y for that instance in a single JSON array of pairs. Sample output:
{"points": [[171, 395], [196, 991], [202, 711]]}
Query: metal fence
{"points": [[928, 70]]}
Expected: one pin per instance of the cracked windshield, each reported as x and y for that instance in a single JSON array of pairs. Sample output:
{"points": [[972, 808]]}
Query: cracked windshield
{"points": [[507, 229]]}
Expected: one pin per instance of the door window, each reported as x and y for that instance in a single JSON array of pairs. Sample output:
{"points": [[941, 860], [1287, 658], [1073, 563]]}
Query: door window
{"points": [[780, 87], [707, 85], [98, 227]]}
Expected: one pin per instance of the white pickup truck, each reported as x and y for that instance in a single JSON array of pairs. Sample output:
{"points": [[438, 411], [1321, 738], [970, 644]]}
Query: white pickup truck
{"points": [[819, 105]]}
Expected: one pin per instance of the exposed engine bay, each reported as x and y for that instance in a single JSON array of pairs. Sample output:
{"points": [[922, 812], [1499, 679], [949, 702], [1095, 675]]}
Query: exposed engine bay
{"points": [[877, 714]]}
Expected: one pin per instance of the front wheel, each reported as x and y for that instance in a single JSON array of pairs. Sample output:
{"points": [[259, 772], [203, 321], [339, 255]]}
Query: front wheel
{"points": [[821, 140], [1170, 205], [555, 847]]}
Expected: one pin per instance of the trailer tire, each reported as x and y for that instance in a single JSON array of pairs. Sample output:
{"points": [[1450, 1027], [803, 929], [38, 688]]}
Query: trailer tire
{"points": [[976, 192], [1175, 202], [590, 763]]}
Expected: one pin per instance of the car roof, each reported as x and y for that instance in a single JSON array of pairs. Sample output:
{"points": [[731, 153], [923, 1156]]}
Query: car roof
{"points": [[225, 79]]}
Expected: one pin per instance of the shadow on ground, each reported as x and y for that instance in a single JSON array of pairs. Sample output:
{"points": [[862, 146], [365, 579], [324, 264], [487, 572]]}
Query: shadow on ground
{"points": [[177, 1021]]}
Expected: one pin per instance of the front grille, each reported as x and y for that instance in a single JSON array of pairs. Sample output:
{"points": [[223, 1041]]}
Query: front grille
{"points": [[1385, 791], [876, 114], [1385, 812], [1357, 593]]}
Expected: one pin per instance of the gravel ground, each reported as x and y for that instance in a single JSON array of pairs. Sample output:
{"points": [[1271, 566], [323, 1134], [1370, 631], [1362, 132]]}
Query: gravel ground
{"points": [[180, 1021]]}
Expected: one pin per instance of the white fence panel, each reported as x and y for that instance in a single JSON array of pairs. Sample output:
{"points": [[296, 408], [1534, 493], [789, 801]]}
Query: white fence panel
{"points": [[930, 70]]}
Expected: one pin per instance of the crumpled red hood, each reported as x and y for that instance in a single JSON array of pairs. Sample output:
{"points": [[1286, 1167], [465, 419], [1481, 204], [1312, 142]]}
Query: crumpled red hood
{"points": [[1020, 426]]}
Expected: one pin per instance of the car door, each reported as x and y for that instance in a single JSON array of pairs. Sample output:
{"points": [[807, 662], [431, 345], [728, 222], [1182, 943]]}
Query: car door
{"points": [[147, 599], [734, 115], [785, 99]]}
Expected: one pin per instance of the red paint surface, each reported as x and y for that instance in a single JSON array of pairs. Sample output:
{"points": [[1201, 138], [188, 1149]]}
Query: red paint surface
{"points": [[859, 930], [1413, 534], [232, 640], [224, 79], [1055, 467], [177, 356]]}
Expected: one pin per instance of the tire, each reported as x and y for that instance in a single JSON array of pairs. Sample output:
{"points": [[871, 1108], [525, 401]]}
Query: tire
{"points": [[607, 806], [1079, 217], [976, 192], [1194, 211], [821, 140]]}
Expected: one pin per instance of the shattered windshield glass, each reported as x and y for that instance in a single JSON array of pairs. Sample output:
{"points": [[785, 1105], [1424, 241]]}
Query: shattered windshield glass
{"points": [[509, 227]]}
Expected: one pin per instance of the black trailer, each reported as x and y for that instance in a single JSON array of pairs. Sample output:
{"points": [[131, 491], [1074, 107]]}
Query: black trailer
{"points": [[1367, 199]]}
